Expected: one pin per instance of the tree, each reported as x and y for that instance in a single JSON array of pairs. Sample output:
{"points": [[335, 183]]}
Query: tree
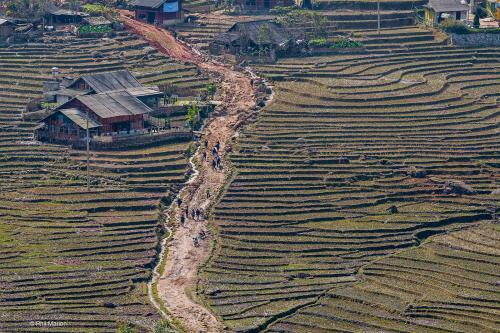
{"points": [[211, 89], [263, 36], [307, 22], [193, 115], [33, 9]]}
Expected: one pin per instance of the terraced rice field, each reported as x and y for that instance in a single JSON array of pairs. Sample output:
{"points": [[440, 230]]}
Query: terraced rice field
{"points": [[341, 216], [72, 260]]}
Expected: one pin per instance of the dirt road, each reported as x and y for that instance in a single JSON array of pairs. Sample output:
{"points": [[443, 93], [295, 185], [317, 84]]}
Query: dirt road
{"points": [[177, 284]]}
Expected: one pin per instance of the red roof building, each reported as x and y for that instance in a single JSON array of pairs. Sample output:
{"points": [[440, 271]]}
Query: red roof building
{"points": [[163, 12]]}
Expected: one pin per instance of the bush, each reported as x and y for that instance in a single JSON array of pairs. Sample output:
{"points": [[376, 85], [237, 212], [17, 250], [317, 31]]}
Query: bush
{"points": [[96, 9], [454, 26], [344, 43], [92, 29], [318, 42], [282, 10], [211, 89], [125, 328]]}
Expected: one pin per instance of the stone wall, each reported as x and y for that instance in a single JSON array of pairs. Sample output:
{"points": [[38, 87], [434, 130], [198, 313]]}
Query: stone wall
{"points": [[479, 39]]}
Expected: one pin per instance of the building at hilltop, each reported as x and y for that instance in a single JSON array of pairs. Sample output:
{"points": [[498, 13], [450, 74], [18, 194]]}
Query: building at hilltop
{"points": [[438, 10], [110, 103], [252, 37], [56, 15], [163, 12]]}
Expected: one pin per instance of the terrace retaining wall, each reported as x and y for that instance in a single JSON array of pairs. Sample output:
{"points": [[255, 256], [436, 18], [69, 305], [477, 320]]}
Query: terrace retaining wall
{"points": [[479, 39]]}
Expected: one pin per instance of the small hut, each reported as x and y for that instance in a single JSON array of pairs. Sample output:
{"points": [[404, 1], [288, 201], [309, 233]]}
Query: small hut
{"points": [[55, 15], [248, 37], [438, 10]]}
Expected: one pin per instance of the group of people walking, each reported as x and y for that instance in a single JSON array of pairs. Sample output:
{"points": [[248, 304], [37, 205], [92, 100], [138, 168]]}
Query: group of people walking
{"points": [[217, 164], [198, 214]]}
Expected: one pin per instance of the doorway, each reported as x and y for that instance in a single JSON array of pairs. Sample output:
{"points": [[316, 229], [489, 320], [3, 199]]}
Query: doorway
{"points": [[151, 17]]}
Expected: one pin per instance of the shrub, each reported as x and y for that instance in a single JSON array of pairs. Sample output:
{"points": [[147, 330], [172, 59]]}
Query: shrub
{"points": [[91, 29], [211, 89], [96, 9], [193, 115], [318, 42], [454, 26], [282, 10], [344, 43], [125, 328], [47, 105]]}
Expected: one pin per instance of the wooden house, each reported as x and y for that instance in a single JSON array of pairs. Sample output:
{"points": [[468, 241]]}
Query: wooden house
{"points": [[163, 12], [248, 37], [438, 10], [105, 113], [121, 80], [115, 102], [55, 15], [6, 28]]}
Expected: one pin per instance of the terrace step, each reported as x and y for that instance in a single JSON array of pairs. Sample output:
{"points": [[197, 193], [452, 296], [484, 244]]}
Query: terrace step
{"points": [[368, 4]]}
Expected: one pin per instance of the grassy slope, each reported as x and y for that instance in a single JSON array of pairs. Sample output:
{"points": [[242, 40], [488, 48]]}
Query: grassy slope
{"points": [[319, 170], [68, 255]]}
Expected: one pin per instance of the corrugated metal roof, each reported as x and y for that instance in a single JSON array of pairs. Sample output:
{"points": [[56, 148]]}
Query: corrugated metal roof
{"points": [[114, 104], [147, 3], [80, 118], [110, 81], [70, 92], [54, 10], [442, 6], [6, 22], [143, 91]]}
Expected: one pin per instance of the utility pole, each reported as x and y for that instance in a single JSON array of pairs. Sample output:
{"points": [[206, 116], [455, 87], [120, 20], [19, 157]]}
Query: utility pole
{"points": [[88, 153], [378, 17]]}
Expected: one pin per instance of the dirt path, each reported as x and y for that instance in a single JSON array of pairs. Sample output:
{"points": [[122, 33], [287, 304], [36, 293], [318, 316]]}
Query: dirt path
{"points": [[178, 283]]}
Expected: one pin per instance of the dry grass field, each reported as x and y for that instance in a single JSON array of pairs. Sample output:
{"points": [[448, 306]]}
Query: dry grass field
{"points": [[69, 256], [364, 199]]}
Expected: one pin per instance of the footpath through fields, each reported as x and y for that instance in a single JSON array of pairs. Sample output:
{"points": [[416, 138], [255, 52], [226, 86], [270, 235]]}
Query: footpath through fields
{"points": [[184, 256]]}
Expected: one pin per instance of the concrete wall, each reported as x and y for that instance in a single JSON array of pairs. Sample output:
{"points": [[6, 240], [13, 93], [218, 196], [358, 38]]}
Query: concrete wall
{"points": [[476, 39]]}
